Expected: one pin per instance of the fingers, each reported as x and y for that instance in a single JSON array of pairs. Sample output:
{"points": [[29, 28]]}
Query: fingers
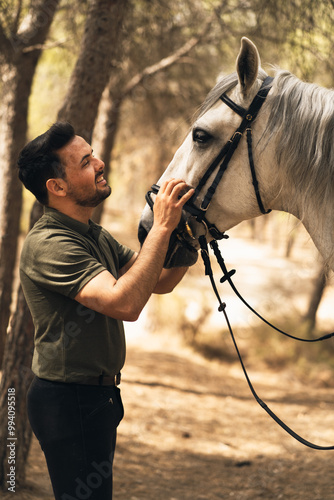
{"points": [[172, 195], [178, 190], [186, 196], [168, 186]]}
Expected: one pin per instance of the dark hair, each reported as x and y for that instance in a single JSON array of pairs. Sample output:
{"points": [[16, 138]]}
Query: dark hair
{"points": [[39, 161]]}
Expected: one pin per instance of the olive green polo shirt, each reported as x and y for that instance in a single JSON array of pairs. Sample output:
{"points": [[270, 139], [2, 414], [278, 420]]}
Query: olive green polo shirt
{"points": [[60, 255]]}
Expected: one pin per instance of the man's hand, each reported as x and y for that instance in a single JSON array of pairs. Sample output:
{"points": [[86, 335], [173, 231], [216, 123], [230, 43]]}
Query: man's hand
{"points": [[125, 297], [172, 196]]}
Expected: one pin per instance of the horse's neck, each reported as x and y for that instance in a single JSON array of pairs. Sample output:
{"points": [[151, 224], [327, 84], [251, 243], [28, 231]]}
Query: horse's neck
{"points": [[320, 228], [319, 222]]}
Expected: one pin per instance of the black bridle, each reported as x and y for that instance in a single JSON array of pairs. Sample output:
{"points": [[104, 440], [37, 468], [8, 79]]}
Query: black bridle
{"points": [[221, 161]]}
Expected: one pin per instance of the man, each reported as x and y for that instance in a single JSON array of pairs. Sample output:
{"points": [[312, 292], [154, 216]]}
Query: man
{"points": [[80, 283]]}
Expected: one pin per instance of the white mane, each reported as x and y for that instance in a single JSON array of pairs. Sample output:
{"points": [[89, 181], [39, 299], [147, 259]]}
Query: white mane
{"points": [[302, 119]]}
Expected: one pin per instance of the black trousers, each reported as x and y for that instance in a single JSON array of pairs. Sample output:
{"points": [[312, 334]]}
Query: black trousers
{"points": [[76, 428]]}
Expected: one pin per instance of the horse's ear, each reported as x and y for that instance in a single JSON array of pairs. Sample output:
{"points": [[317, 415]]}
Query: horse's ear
{"points": [[248, 63]]}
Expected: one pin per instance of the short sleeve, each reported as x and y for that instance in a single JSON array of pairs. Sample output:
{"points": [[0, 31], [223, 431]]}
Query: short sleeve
{"points": [[60, 264]]}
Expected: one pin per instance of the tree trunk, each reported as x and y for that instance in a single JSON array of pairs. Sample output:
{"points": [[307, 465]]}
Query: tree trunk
{"points": [[19, 55], [13, 136], [18, 73], [99, 48], [106, 129], [16, 377], [319, 286], [17, 360]]}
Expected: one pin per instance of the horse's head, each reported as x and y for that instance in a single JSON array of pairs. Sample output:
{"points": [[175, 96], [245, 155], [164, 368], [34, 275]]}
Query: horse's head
{"points": [[202, 154]]}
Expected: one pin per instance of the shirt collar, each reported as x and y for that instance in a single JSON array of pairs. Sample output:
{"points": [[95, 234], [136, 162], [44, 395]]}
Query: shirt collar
{"points": [[80, 227]]}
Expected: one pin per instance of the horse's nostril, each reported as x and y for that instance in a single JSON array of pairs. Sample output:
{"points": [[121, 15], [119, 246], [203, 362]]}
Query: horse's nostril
{"points": [[142, 233]]}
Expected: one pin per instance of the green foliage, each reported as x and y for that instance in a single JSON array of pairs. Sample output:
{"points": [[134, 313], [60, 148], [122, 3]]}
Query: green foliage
{"points": [[296, 34], [303, 36], [157, 113]]}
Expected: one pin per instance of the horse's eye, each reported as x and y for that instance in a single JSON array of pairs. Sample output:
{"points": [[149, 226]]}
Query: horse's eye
{"points": [[200, 136]]}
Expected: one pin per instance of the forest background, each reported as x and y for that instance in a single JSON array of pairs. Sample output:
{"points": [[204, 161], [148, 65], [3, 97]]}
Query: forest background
{"points": [[130, 75]]}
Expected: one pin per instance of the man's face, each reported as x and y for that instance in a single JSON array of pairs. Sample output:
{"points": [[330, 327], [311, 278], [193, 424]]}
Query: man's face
{"points": [[84, 173]]}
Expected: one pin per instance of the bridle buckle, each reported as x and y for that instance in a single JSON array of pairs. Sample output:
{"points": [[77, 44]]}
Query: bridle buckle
{"points": [[234, 136], [203, 208]]}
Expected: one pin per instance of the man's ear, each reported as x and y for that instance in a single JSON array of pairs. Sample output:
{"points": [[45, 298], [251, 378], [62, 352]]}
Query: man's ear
{"points": [[56, 187]]}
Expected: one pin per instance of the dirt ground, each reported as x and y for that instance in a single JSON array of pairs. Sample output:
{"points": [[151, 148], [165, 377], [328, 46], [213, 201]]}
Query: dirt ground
{"points": [[193, 431]]}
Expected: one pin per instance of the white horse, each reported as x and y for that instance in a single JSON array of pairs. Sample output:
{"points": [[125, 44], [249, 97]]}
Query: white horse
{"points": [[293, 154]]}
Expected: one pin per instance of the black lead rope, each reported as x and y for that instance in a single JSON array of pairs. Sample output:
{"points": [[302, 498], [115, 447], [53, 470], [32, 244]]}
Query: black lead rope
{"points": [[227, 277], [222, 308], [208, 270]]}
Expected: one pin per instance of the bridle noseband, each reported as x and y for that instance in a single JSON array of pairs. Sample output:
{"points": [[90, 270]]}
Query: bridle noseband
{"points": [[222, 160]]}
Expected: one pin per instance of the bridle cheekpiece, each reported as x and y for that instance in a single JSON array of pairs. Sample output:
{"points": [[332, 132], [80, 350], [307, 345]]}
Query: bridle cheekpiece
{"points": [[222, 160]]}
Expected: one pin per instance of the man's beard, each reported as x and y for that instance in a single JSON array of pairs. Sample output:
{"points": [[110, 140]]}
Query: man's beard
{"points": [[93, 201]]}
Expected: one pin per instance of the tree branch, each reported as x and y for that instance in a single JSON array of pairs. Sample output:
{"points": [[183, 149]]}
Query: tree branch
{"points": [[100, 43], [36, 24], [41, 46], [167, 61]]}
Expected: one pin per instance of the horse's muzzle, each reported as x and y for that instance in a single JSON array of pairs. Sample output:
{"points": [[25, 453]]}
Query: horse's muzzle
{"points": [[182, 248]]}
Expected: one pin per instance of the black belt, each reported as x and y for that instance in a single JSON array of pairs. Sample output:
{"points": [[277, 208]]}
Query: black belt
{"points": [[101, 380]]}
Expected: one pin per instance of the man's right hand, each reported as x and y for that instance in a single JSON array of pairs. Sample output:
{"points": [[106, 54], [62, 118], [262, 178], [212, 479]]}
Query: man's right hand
{"points": [[172, 196], [125, 297]]}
